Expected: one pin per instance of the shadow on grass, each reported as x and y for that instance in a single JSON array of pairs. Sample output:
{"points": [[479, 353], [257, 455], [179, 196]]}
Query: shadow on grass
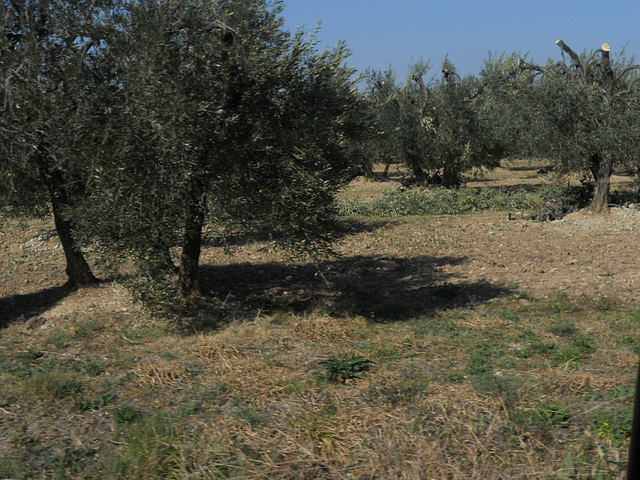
{"points": [[381, 288], [24, 307]]}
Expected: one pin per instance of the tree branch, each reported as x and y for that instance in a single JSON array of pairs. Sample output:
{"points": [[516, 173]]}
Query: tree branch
{"points": [[529, 66], [627, 70], [576, 63]]}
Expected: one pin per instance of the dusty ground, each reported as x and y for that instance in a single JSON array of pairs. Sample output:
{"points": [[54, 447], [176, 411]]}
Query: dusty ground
{"points": [[384, 267]]}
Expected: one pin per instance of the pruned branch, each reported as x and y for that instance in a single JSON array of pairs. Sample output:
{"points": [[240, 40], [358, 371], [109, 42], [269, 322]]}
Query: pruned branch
{"points": [[574, 56]]}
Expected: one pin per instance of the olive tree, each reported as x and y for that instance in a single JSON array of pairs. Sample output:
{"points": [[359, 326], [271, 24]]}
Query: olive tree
{"points": [[221, 116], [50, 109], [587, 108]]}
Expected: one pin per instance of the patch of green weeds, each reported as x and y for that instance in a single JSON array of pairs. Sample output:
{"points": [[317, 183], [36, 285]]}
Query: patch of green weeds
{"points": [[565, 354], [64, 387], [87, 329], [191, 408], [606, 304], [455, 378], [613, 424], [506, 387], [31, 355], [126, 414], [444, 201], [169, 356], [151, 444], [58, 339], [550, 416], [52, 385], [573, 352], [508, 315], [93, 367], [584, 343], [563, 330], [346, 366], [85, 404], [480, 358], [194, 367], [249, 414], [437, 326], [296, 387], [561, 304], [72, 461], [411, 383]]}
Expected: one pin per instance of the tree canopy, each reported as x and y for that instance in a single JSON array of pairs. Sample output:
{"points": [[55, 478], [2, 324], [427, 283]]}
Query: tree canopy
{"points": [[156, 116]]}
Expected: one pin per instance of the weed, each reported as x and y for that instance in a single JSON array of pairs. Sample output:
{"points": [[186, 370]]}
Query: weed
{"points": [[126, 414], [73, 461], [149, 445], [63, 388], [550, 416], [31, 355], [343, 367], [250, 415], [566, 354], [191, 408], [58, 339], [455, 378], [506, 387], [93, 368], [87, 329], [563, 330], [479, 359], [169, 356], [584, 343], [84, 404], [443, 201], [613, 424]]}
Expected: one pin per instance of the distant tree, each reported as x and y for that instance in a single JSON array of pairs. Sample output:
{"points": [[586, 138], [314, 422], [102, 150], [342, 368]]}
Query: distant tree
{"points": [[587, 114], [383, 102], [439, 129], [463, 134], [50, 109], [222, 116]]}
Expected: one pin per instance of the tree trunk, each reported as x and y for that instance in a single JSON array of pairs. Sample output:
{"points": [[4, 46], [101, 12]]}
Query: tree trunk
{"points": [[633, 468], [450, 177], [77, 269], [385, 173], [419, 175], [601, 168], [192, 243]]}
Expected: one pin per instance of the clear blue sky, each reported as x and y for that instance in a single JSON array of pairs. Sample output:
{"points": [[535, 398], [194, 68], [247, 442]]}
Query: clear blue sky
{"points": [[383, 33]]}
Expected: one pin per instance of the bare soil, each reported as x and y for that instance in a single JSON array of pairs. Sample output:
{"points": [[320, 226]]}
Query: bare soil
{"points": [[390, 265]]}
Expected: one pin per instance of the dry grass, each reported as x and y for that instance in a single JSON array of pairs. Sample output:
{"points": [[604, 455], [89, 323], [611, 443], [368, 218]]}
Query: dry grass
{"points": [[465, 393]]}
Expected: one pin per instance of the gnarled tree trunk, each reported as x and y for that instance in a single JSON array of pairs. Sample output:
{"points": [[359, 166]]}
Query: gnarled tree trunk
{"points": [[601, 169], [77, 268]]}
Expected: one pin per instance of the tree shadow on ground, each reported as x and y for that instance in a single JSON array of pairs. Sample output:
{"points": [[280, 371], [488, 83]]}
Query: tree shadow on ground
{"points": [[382, 288], [24, 307]]}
